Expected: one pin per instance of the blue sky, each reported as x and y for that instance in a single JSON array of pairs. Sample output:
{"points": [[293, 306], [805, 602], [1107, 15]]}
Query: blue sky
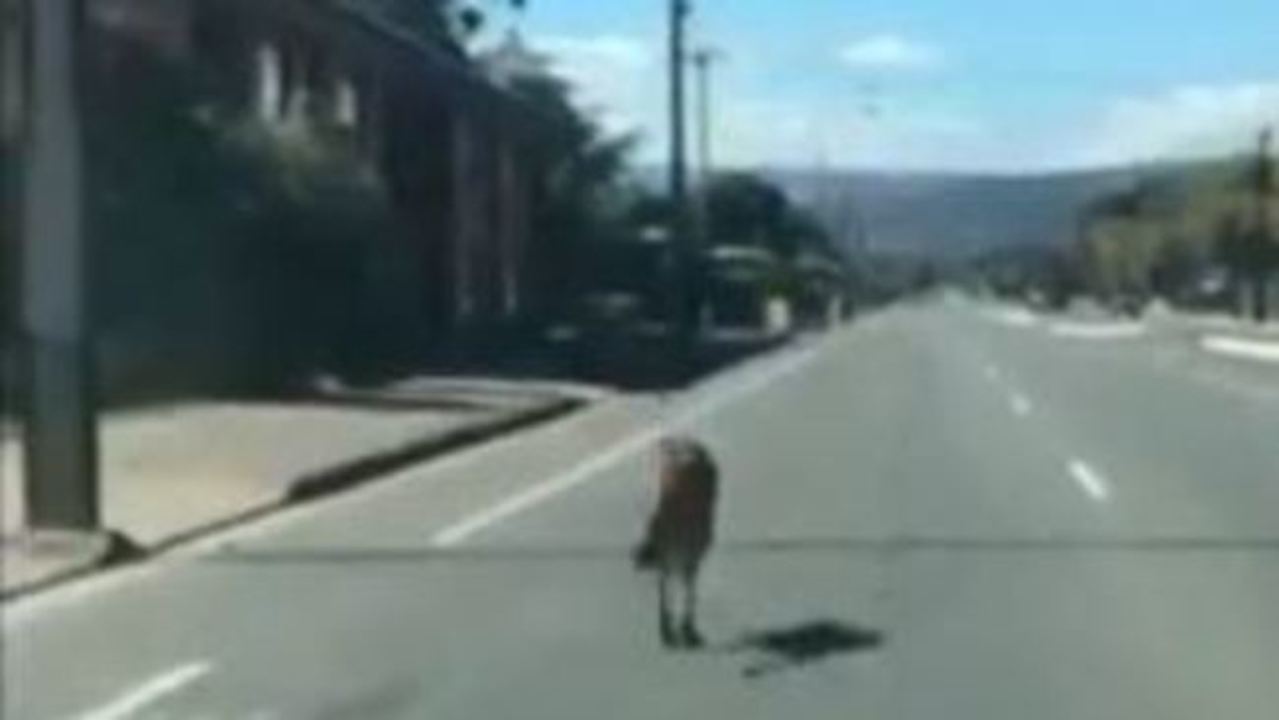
{"points": [[938, 84]]}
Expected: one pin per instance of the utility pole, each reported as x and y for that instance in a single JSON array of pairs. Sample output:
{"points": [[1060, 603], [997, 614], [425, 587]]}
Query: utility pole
{"points": [[1262, 251], [683, 314], [12, 53], [61, 440], [703, 59]]}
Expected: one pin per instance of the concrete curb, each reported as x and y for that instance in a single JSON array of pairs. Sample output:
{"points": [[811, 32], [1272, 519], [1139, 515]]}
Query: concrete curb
{"points": [[101, 550], [360, 470], [1240, 348], [112, 549]]}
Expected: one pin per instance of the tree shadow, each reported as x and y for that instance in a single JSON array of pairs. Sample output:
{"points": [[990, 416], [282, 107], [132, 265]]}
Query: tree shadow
{"points": [[795, 646]]}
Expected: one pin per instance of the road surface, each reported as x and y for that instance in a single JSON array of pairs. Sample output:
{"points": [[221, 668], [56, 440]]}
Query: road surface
{"points": [[940, 512]]}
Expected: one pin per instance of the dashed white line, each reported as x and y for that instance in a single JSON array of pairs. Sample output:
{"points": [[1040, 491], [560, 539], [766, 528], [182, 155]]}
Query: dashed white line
{"points": [[466, 528], [149, 692], [1090, 480], [1020, 404]]}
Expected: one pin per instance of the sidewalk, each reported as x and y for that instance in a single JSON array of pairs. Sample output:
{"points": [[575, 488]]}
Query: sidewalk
{"points": [[174, 472]]}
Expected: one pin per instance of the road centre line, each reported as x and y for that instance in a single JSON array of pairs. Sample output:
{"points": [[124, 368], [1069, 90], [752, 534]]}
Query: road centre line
{"points": [[1020, 404], [149, 692], [1090, 480], [471, 525]]}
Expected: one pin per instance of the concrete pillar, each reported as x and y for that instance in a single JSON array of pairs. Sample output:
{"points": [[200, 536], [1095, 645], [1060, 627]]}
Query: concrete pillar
{"points": [[61, 472], [11, 72]]}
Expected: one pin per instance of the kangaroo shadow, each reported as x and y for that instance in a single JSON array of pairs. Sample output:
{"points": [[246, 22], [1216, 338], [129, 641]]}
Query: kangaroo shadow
{"points": [[792, 647]]}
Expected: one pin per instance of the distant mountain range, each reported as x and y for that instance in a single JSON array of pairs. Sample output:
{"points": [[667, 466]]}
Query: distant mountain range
{"points": [[951, 216], [945, 216]]}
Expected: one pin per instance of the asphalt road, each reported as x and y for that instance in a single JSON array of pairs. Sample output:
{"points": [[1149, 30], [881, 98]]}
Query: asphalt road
{"points": [[941, 512]]}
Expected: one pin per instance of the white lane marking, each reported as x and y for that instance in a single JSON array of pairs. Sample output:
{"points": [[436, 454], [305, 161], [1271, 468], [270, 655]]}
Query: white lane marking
{"points": [[1090, 480], [459, 532], [469, 526], [149, 692], [28, 609], [1263, 351], [1020, 404], [1098, 331]]}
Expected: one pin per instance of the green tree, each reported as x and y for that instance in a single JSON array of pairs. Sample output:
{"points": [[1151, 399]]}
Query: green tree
{"points": [[744, 209], [580, 211]]}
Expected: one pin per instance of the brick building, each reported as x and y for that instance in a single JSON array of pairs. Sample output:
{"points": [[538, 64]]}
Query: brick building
{"points": [[449, 143]]}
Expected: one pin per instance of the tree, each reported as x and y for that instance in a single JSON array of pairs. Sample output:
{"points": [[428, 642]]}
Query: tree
{"points": [[1262, 254], [580, 203], [744, 209], [451, 21]]}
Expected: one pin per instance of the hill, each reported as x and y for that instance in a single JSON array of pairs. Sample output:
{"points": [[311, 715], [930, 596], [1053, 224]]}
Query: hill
{"points": [[951, 217]]}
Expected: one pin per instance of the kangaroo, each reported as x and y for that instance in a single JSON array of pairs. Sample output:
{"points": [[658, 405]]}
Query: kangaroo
{"points": [[679, 533]]}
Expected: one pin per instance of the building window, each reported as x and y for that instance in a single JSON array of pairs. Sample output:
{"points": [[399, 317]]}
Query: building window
{"points": [[270, 84], [346, 104]]}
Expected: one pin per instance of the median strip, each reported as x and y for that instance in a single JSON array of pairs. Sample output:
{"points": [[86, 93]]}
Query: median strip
{"points": [[1241, 348], [1098, 331]]}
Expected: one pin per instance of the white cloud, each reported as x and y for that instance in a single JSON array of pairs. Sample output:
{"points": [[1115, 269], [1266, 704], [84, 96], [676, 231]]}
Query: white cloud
{"points": [[890, 52], [616, 51], [1182, 122], [619, 77], [612, 76], [1187, 121]]}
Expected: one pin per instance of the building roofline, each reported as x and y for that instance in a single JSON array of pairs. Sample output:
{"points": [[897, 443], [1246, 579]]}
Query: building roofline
{"points": [[437, 58]]}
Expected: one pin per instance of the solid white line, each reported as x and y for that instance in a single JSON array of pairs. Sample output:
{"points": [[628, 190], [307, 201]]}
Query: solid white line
{"points": [[1090, 480], [1021, 405], [30, 609], [149, 692], [461, 531], [1242, 348], [586, 470]]}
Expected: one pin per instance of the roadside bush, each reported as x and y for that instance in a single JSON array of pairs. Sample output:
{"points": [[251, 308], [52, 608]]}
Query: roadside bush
{"points": [[230, 257]]}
